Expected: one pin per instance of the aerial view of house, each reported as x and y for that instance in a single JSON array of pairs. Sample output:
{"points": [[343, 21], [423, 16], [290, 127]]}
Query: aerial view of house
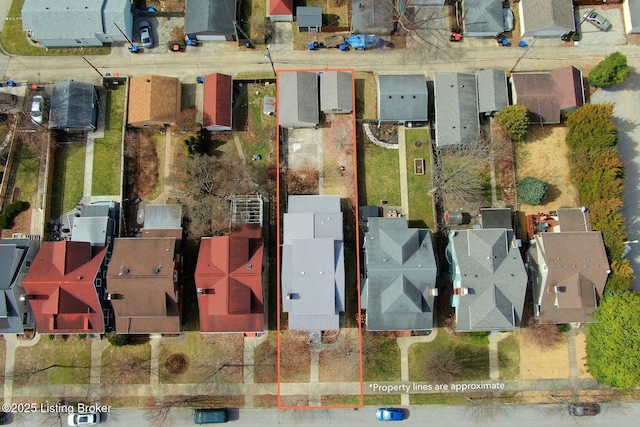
{"points": [[384, 210]]}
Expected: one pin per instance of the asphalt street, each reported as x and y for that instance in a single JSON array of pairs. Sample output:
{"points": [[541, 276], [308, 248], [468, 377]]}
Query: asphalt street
{"points": [[433, 415]]}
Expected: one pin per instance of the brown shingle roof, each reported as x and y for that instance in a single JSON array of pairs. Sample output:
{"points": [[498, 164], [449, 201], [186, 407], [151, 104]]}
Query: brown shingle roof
{"points": [[154, 100], [142, 287]]}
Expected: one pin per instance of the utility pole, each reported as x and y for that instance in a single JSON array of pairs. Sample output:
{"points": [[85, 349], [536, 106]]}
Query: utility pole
{"points": [[267, 55], [91, 65]]}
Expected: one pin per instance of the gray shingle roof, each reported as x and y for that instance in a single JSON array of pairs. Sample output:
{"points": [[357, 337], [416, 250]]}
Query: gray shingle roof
{"points": [[544, 18], [487, 264], [496, 218], [400, 272], [403, 98], [456, 103], [298, 103], [210, 16], [371, 16], [309, 16], [336, 92], [14, 254], [483, 18], [62, 18], [313, 285], [492, 90]]}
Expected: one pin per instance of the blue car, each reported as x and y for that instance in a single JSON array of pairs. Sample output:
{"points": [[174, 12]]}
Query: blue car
{"points": [[389, 414]]}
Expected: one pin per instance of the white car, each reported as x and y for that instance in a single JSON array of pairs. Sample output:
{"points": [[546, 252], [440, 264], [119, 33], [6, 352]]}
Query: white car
{"points": [[145, 33], [36, 109], [597, 20], [83, 419]]}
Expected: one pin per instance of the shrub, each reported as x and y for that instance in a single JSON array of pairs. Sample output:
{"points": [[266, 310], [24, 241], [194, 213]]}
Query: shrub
{"points": [[11, 212], [515, 120], [531, 191], [590, 126], [564, 327], [118, 340], [613, 69]]}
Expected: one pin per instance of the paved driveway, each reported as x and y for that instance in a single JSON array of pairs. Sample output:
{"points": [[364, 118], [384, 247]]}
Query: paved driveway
{"points": [[592, 36], [626, 96]]}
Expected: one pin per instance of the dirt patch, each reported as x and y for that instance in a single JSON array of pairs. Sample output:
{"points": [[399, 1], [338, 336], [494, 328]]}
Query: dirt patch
{"points": [[176, 363], [21, 224], [543, 363], [338, 173], [295, 358], [581, 355], [265, 401], [544, 155]]}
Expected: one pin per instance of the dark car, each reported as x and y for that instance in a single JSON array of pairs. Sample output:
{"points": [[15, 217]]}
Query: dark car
{"points": [[568, 36], [584, 409], [390, 414], [210, 416]]}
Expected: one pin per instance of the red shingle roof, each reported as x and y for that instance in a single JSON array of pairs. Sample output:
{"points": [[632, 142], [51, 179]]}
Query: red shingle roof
{"points": [[218, 92], [61, 290], [229, 275], [281, 7]]}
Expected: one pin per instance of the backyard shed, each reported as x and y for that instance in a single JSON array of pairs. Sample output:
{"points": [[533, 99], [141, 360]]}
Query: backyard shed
{"points": [[309, 19]]}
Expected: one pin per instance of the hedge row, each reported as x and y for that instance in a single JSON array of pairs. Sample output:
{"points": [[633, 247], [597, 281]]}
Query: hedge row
{"points": [[11, 212], [597, 172]]}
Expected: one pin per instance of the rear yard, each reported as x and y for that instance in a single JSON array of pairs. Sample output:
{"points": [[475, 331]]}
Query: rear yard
{"points": [[378, 175], [420, 201], [107, 151], [68, 178]]}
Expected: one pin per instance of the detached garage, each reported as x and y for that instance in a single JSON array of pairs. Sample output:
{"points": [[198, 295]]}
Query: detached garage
{"points": [[210, 20]]}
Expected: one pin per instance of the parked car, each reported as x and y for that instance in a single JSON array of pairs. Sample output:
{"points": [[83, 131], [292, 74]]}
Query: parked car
{"points": [[83, 419], [508, 18], [598, 20], [210, 416], [2, 417], [37, 105], [145, 33], [566, 37], [390, 414], [584, 409]]}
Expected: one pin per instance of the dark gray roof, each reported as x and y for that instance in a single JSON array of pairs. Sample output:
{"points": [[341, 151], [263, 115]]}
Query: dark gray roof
{"points": [[492, 90], [488, 264], [336, 91], [496, 218], [400, 272], [633, 16], [14, 254], [73, 106], [210, 16], [372, 16], [456, 105], [402, 98], [483, 18], [309, 16], [315, 284], [298, 100]]}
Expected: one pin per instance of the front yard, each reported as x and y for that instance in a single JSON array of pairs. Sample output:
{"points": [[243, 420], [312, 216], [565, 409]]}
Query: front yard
{"points": [[127, 364], [107, 150], [380, 357], [53, 361]]}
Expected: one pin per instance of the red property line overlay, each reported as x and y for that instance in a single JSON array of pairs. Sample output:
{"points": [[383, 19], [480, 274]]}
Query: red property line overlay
{"points": [[279, 243]]}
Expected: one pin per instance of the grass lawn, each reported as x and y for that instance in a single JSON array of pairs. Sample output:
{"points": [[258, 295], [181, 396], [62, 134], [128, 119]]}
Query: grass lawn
{"points": [[14, 39], [208, 359], [437, 399], [127, 364], [260, 136], [158, 141], [473, 358], [53, 362], [420, 202], [380, 358], [366, 95], [27, 174], [509, 358], [378, 175], [381, 399], [68, 178], [340, 400], [106, 155]]}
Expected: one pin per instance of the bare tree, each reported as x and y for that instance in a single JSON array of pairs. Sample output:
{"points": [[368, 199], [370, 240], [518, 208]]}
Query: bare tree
{"points": [[444, 366], [485, 407], [543, 334], [186, 120]]}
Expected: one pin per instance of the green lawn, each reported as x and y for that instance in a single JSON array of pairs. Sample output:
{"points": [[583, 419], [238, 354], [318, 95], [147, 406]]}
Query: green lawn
{"points": [[53, 362], [106, 155], [473, 358], [509, 358], [219, 361], [381, 399], [437, 399], [127, 364], [68, 178], [381, 358], [158, 141], [14, 40], [378, 175], [420, 202], [366, 95], [27, 174], [260, 138]]}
